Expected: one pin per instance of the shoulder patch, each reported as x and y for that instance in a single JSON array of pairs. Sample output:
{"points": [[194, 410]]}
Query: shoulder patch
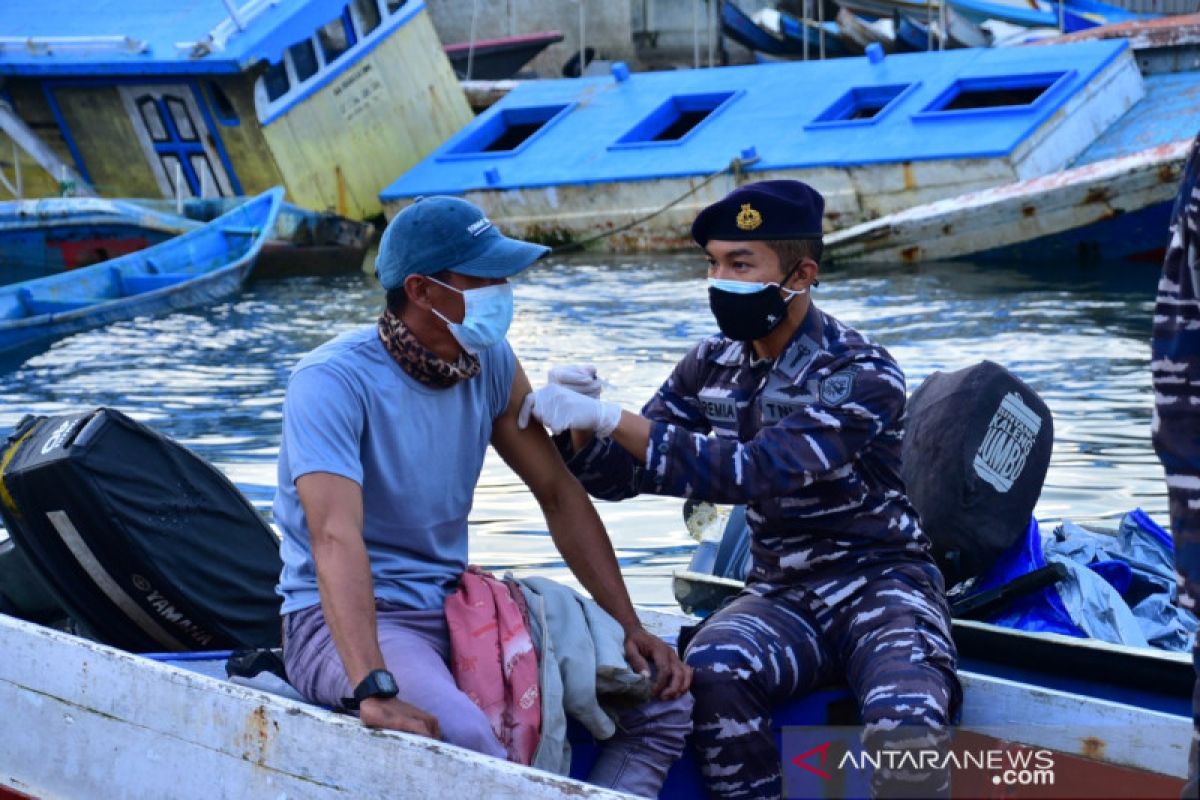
{"points": [[837, 388]]}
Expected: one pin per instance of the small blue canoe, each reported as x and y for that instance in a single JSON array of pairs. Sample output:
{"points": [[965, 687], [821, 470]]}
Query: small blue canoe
{"points": [[200, 266]]}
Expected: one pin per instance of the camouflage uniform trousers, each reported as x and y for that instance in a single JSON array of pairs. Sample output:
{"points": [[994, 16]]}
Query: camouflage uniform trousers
{"points": [[1175, 370], [885, 632]]}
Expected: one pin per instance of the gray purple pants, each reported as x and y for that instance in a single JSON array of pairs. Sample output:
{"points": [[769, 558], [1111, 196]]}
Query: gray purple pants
{"points": [[886, 634], [416, 649]]}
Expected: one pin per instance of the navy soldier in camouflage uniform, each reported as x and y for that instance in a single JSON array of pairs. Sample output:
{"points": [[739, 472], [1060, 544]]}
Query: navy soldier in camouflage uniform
{"points": [[800, 418], [1175, 367]]}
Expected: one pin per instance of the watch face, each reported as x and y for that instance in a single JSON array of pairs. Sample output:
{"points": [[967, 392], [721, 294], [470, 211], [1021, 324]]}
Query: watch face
{"points": [[385, 684]]}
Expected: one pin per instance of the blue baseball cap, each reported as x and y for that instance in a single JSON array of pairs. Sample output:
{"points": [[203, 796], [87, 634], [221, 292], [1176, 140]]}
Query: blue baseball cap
{"points": [[448, 233]]}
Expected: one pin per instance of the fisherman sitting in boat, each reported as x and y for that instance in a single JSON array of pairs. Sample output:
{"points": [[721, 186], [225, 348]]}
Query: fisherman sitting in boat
{"points": [[384, 435], [800, 418]]}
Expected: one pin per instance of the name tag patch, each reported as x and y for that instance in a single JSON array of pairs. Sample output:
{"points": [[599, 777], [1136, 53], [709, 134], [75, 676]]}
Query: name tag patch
{"points": [[721, 410]]}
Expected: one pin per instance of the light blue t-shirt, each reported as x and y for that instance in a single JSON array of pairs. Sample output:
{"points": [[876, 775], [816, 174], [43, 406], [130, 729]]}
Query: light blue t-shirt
{"points": [[416, 452]]}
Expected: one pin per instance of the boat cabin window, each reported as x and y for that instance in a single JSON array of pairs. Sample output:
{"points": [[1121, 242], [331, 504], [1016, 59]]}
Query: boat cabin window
{"points": [[996, 94], [312, 59], [507, 131], [335, 36], [862, 105], [152, 120], [304, 59], [675, 119], [275, 81], [366, 16]]}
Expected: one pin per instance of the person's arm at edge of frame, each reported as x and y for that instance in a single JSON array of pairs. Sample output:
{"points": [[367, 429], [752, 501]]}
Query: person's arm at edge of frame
{"points": [[333, 506], [580, 537]]}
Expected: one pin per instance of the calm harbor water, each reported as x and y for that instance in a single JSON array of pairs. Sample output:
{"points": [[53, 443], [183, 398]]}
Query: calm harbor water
{"points": [[214, 378]]}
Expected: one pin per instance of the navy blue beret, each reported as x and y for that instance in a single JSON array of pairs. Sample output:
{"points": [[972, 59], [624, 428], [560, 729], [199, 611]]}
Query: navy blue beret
{"points": [[762, 211]]}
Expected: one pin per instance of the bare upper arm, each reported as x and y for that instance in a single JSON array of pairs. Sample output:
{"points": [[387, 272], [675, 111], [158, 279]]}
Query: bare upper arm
{"points": [[529, 452], [332, 503]]}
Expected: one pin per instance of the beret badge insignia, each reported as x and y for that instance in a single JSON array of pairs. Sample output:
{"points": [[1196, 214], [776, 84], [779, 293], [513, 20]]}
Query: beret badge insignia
{"points": [[748, 219]]}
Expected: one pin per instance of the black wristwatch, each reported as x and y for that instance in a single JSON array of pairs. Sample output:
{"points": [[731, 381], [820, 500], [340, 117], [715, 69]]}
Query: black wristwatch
{"points": [[378, 683]]}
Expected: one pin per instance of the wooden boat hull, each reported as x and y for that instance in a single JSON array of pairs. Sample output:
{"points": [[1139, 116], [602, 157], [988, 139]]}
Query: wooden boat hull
{"points": [[41, 237], [737, 25], [497, 59], [125, 726], [1170, 44], [1114, 210], [303, 242], [45, 309]]}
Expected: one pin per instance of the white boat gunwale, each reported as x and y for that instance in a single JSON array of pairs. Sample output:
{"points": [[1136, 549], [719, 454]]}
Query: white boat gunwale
{"points": [[127, 716]]}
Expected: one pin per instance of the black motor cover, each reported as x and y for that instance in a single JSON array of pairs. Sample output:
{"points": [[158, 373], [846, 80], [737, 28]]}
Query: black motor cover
{"points": [[146, 544], [976, 451]]}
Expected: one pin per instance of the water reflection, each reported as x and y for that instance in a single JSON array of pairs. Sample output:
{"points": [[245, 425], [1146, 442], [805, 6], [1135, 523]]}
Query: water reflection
{"points": [[214, 378]]}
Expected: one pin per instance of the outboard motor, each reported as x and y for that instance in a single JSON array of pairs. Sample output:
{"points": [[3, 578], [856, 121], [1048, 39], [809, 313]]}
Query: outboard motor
{"points": [[976, 450], [144, 544]]}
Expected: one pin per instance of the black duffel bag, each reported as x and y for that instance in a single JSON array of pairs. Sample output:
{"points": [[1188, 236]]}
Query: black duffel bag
{"points": [[976, 450], [143, 543]]}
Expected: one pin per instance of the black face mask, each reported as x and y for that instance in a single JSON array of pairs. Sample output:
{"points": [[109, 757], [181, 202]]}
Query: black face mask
{"points": [[746, 317]]}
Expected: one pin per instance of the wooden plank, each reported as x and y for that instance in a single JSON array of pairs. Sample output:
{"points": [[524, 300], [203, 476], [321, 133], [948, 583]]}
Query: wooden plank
{"points": [[86, 720], [1068, 723]]}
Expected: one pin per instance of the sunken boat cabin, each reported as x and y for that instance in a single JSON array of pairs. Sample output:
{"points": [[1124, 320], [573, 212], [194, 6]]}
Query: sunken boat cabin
{"points": [[141, 98], [633, 157]]}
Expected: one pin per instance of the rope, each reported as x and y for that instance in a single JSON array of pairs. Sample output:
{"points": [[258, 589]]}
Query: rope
{"points": [[736, 167]]}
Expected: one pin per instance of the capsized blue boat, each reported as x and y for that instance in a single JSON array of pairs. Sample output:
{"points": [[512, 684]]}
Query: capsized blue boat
{"points": [[626, 162], [200, 266]]}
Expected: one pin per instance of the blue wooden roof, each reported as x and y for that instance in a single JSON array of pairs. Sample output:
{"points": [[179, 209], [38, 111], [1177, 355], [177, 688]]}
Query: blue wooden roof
{"points": [[73, 38], [794, 115]]}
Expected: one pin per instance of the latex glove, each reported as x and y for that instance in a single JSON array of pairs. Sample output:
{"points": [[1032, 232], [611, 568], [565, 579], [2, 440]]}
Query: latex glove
{"points": [[561, 409], [581, 378]]}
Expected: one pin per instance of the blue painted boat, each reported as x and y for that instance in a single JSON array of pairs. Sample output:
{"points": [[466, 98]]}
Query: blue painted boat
{"points": [[303, 241], [41, 237], [573, 161], [1077, 14], [737, 25], [52, 235], [794, 30], [777, 33], [200, 266], [914, 36]]}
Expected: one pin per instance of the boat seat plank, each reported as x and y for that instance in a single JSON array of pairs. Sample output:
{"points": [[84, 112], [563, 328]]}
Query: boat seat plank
{"points": [[233, 230], [139, 284]]}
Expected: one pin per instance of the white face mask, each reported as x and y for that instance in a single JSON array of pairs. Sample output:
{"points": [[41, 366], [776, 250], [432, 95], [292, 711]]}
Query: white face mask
{"points": [[749, 287], [489, 313]]}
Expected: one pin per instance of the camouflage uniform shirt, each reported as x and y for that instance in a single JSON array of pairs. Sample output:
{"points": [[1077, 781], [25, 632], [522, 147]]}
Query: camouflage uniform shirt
{"points": [[809, 442]]}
